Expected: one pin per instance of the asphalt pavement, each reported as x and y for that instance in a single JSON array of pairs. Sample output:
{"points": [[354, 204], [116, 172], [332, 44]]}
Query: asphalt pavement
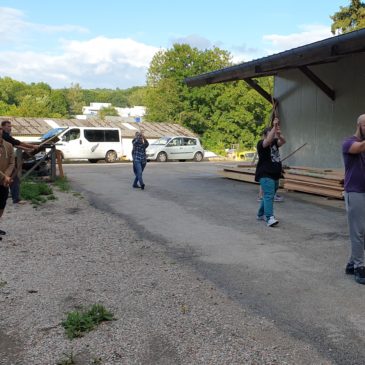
{"points": [[292, 274]]}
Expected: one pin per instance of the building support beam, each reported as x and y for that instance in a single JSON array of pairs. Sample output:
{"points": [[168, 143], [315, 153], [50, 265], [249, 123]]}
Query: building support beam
{"points": [[254, 84], [318, 82]]}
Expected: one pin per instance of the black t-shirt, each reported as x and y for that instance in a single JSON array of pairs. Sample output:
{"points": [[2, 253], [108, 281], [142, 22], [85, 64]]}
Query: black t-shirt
{"points": [[269, 164], [8, 138]]}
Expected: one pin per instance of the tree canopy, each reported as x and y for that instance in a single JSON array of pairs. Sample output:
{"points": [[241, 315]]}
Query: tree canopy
{"points": [[222, 114], [40, 100], [349, 18]]}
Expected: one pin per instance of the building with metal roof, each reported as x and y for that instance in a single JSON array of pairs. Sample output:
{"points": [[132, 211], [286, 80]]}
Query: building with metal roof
{"points": [[319, 88]]}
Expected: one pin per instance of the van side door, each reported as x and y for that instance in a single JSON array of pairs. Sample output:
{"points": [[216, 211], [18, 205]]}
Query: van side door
{"points": [[71, 144]]}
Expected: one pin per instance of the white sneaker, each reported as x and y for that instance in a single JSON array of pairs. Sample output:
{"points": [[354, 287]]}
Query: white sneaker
{"points": [[278, 198], [272, 221]]}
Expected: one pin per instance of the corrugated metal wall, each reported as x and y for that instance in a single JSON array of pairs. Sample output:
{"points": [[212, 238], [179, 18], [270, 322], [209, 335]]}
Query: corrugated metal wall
{"points": [[308, 115]]}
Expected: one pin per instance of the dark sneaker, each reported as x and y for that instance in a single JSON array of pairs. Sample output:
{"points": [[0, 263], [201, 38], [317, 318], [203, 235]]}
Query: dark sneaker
{"points": [[2, 232], [142, 187], [349, 270], [359, 273]]}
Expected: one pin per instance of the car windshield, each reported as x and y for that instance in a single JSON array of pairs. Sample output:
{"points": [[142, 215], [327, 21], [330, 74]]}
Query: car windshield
{"points": [[162, 141], [52, 132]]}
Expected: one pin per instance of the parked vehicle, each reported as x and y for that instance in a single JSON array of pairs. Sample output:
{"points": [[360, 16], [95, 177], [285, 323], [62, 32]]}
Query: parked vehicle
{"points": [[89, 143], [175, 148]]}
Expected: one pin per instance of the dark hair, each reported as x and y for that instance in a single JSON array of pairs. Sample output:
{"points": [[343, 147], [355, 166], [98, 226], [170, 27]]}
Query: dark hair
{"points": [[5, 122]]}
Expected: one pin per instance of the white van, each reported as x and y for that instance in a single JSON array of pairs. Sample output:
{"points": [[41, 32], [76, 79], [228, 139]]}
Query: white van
{"points": [[91, 143]]}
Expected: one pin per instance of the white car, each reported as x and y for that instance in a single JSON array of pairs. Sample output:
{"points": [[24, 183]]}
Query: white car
{"points": [[175, 148]]}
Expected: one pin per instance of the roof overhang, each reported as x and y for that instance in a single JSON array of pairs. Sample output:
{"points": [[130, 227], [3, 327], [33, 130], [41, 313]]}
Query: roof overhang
{"points": [[325, 51]]}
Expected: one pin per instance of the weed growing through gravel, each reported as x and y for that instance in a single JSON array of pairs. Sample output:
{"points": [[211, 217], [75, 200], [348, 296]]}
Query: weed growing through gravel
{"points": [[36, 192], [62, 183], [68, 360], [78, 322], [2, 283]]}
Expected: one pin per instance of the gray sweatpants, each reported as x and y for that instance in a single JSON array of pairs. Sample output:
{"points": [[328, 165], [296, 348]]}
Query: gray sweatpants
{"points": [[355, 207]]}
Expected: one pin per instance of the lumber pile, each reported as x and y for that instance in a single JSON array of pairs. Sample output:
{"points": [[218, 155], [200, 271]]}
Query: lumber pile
{"points": [[324, 182], [242, 172]]}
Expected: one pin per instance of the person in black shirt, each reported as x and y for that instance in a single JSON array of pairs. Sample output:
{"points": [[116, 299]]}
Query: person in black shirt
{"points": [[269, 170], [15, 185]]}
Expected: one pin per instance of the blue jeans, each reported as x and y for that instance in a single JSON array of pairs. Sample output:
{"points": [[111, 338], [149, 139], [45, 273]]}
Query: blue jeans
{"points": [[15, 189], [269, 187], [138, 167]]}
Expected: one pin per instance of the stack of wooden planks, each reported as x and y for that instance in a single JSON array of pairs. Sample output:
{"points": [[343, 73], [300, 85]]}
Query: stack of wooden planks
{"points": [[242, 172], [325, 182]]}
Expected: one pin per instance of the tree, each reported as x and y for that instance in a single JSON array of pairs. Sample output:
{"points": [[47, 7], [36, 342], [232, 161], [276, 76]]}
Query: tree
{"points": [[107, 111], [222, 114], [349, 18], [75, 101]]}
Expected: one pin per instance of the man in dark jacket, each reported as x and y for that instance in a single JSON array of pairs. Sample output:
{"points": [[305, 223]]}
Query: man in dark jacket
{"points": [[269, 170]]}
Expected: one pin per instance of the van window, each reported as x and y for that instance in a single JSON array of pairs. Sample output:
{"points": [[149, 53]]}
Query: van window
{"points": [[71, 135], [101, 135], [111, 136]]}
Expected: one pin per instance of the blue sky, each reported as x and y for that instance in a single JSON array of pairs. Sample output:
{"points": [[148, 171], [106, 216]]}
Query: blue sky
{"points": [[111, 43]]}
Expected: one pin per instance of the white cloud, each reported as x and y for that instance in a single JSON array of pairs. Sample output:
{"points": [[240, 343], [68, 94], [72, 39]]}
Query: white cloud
{"points": [[194, 40], [309, 34], [98, 62], [278, 43], [13, 25]]}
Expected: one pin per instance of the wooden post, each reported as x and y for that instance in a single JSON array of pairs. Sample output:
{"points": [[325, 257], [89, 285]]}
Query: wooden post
{"points": [[53, 163], [59, 162]]}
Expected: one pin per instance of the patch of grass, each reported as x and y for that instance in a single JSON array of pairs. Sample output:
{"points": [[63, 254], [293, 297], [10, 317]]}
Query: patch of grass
{"points": [[68, 360], [36, 192], [2, 283], [79, 322], [62, 183]]}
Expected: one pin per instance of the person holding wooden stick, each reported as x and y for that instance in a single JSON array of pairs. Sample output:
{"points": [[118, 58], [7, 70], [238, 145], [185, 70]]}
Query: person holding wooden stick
{"points": [[7, 164], [353, 150], [269, 170], [140, 144]]}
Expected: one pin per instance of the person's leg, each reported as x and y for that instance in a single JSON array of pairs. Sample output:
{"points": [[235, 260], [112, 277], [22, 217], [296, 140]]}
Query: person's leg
{"points": [[260, 213], [4, 193], [15, 189], [138, 166], [355, 207], [135, 182], [268, 188], [143, 165]]}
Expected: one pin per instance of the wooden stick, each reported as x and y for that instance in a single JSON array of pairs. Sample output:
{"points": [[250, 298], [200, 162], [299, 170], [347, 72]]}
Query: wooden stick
{"points": [[292, 153]]}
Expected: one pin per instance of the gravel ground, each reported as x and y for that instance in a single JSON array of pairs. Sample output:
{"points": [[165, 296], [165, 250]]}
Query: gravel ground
{"points": [[66, 254]]}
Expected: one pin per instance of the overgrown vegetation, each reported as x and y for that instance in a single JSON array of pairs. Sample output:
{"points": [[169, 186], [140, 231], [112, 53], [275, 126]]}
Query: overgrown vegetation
{"points": [[36, 192], [62, 183], [79, 322]]}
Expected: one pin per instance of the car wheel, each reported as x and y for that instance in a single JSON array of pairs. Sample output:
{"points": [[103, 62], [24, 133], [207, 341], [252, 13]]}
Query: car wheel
{"points": [[93, 160], [161, 157], [198, 157], [111, 156]]}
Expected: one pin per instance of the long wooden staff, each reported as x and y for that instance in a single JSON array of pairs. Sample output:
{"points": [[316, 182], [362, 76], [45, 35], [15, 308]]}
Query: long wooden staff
{"points": [[292, 153]]}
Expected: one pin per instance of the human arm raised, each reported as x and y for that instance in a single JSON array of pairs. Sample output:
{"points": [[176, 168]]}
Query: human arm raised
{"points": [[271, 135]]}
